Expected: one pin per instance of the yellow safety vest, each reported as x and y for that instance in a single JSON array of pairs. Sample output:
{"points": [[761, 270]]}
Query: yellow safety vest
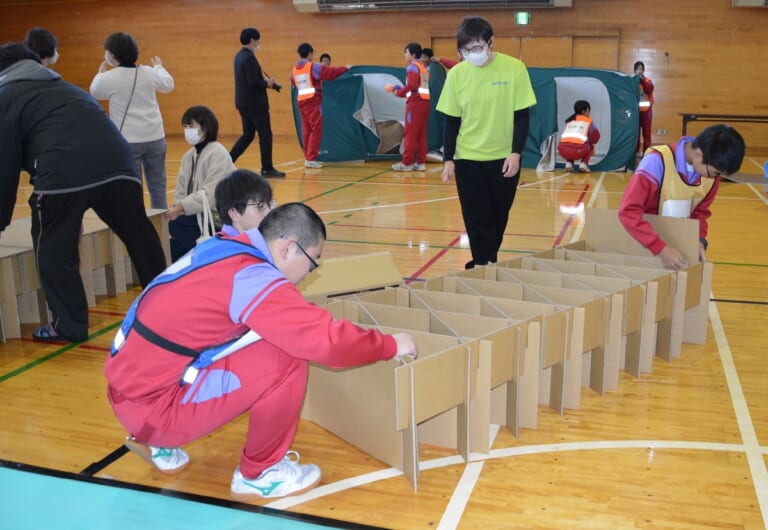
{"points": [[677, 198]]}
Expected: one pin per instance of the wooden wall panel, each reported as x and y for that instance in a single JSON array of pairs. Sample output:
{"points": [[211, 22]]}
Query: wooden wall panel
{"points": [[710, 66], [546, 52], [596, 52]]}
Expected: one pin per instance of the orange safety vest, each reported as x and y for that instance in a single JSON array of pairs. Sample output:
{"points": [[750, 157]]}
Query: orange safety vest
{"points": [[302, 78], [577, 130], [424, 81]]}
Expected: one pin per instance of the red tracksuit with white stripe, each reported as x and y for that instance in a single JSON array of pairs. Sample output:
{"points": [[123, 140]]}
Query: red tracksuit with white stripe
{"points": [[416, 116], [267, 379]]}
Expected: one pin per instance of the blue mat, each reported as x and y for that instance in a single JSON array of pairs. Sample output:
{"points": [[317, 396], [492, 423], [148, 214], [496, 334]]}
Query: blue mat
{"points": [[31, 498]]}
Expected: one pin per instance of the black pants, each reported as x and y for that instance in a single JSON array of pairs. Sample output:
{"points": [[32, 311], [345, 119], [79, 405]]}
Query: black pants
{"points": [[56, 222], [184, 232], [486, 197], [255, 123]]}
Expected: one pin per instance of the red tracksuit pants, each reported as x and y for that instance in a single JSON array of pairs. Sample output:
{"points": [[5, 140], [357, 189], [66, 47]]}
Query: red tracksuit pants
{"points": [[572, 152], [415, 131], [272, 387], [311, 128], [646, 117]]}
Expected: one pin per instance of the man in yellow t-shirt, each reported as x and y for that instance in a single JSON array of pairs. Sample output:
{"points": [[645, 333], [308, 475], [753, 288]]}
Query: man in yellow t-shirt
{"points": [[486, 99]]}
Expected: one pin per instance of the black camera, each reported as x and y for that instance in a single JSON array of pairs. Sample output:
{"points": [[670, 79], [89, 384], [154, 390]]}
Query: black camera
{"points": [[277, 87]]}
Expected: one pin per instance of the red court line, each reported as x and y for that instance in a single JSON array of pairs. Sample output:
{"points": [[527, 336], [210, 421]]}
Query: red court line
{"points": [[569, 220], [432, 260]]}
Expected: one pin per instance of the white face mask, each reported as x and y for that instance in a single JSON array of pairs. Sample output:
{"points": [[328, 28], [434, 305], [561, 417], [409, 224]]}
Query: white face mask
{"points": [[52, 60], [192, 135], [110, 59], [477, 59]]}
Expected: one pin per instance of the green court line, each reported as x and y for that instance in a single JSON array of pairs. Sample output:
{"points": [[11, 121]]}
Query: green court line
{"points": [[347, 185], [56, 353]]}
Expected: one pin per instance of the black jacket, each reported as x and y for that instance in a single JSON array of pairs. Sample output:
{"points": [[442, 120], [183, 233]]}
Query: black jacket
{"points": [[250, 85], [56, 132]]}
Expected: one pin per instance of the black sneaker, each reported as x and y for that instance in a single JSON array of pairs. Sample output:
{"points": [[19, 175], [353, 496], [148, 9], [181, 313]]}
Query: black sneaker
{"points": [[272, 174]]}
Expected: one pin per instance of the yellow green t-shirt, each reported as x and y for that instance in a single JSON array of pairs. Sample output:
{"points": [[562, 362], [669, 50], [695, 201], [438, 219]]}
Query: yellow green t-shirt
{"points": [[486, 99]]}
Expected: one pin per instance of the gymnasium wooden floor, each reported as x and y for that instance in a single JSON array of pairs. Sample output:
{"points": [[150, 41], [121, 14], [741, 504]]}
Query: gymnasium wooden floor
{"points": [[683, 447]]}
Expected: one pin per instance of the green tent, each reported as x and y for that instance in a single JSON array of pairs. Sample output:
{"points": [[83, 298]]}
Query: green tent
{"points": [[361, 121], [614, 101]]}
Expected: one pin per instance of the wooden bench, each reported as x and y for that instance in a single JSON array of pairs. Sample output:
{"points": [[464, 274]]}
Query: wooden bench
{"points": [[740, 118]]}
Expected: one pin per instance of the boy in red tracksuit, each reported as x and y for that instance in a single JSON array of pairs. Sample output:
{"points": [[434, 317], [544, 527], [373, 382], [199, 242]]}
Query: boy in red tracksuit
{"points": [[579, 137], [680, 180], [645, 93], [223, 331], [417, 108], [307, 77]]}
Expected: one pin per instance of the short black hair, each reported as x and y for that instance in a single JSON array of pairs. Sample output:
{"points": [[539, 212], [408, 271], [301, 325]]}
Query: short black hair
{"points": [[239, 188], [13, 52], [294, 219], [305, 49], [414, 48], [722, 147], [41, 41], [638, 63], [427, 52], [247, 34], [325, 56], [123, 46], [206, 118], [472, 29], [581, 106]]}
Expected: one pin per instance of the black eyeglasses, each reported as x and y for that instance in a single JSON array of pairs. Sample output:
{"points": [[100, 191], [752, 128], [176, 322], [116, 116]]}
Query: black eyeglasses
{"points": [[473, 49], [312, 263], [261, 206]]}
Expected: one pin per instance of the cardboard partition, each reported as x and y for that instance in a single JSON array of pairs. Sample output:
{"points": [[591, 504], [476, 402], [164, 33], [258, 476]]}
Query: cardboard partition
{"points": [[631, 306], [351, 274], [604, 231], [377, 407], [525, 304]]}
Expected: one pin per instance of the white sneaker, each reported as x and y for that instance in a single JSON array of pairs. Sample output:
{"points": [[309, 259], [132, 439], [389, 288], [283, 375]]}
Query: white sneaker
{"points": [[402, 167], [419, 167], [168, 460], [568, 167], [584, 168], [435, 156], [285, 478], [313, 164]]}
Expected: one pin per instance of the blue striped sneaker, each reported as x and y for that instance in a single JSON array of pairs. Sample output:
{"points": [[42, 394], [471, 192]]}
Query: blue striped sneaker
{"points": [[168, 460], [285, 478]]}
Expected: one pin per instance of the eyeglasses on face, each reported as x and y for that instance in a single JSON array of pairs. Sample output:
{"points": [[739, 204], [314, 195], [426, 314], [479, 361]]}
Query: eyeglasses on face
{"points": [[261, 206], [312, 263], [473, 49]]}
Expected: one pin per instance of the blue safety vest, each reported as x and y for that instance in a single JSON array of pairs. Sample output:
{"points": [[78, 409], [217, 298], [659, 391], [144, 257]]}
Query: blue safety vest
{"points": [[207, 253]]}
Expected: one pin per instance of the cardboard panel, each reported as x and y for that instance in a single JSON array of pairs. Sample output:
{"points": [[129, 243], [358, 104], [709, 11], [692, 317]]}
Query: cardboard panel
{"points": [[605, 232], [352, 274]]}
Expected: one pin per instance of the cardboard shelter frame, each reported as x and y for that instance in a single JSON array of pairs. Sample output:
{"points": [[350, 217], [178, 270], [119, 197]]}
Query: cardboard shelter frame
{"points": [[500, 340]]}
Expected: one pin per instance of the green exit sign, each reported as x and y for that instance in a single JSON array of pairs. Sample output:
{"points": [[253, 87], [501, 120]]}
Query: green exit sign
{"points": [[522, 18]]}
